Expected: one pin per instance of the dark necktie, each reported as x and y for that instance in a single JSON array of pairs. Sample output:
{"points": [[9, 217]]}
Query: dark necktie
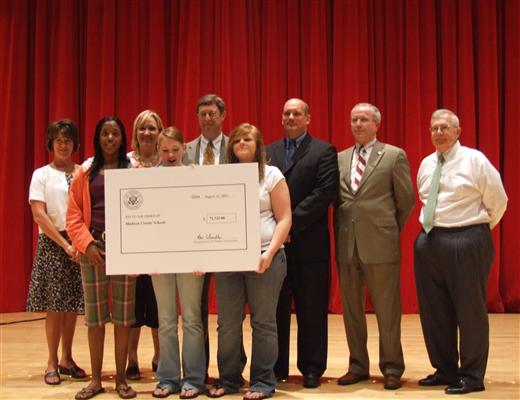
{"points": [[289, 151]]}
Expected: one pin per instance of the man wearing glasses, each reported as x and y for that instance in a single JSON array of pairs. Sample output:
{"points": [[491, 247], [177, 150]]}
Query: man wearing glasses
{"points": [[209, 148], [463, 199], [374, 201]]}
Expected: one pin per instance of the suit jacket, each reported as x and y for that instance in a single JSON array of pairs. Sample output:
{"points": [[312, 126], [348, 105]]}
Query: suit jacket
{"points": [[312, 177], [192, 154], [373, 216]]}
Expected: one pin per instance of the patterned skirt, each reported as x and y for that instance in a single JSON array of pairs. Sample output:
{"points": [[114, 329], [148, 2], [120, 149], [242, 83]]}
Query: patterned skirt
{"points": [[55, 280]]}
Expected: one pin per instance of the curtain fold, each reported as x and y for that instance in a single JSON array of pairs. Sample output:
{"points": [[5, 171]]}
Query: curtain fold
{"points": [[89, 58]]}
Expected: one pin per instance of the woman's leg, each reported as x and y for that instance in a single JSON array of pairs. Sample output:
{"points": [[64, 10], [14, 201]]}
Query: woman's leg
{"points": [[53, 333], [193, 352], [68, 327], [262, 295]]}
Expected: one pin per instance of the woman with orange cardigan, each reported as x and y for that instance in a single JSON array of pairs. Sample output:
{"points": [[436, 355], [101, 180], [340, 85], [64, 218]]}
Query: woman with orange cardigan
{"points": [[86, 228]]}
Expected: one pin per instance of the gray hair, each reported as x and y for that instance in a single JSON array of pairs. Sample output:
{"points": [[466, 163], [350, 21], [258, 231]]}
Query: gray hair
{"points": [[445, 112], [376, 114]]}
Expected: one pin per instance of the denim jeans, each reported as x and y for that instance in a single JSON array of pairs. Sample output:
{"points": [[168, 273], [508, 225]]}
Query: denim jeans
{"points": [[189, 288], [260, 291]]}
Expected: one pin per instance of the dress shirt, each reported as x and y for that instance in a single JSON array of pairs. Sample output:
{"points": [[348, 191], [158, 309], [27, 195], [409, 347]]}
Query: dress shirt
{"points": [[470, 190], [216, 148], [355, 158]]}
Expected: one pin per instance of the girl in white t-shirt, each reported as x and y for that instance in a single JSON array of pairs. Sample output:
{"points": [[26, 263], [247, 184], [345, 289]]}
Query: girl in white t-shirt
{"points": [[260, 289]]}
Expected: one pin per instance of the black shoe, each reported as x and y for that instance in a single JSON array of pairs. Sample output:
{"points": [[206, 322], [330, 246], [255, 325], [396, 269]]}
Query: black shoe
{"points": [[462, 387], [435, 380], [311, 380]]}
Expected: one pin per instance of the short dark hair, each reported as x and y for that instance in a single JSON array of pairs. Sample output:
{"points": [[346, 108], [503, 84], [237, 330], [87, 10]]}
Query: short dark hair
{"points": [[67, 128], [210, 99]]}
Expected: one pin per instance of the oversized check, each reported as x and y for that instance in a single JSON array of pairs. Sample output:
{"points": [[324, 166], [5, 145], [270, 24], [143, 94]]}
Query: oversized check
{"points": [[182, 219]]}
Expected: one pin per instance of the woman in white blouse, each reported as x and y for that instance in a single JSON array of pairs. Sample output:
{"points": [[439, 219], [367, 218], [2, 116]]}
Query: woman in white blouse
{"points": [[55, 285], [261, 288]]}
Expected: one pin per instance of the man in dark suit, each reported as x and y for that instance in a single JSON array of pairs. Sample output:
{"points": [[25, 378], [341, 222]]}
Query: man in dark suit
{"points": [[375, 198], [311, 171]]}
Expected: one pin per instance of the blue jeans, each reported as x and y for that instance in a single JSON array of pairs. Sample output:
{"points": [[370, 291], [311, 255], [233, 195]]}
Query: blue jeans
{"points": [[260, 291], [189, 288]]}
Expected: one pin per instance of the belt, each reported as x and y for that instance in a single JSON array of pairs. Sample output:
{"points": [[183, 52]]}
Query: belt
{"points": [[98, 235], [459, 228]]}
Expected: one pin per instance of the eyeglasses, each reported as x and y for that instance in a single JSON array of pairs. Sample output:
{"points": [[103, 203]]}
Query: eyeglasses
{"points": [[210, 114], [440, 128], [362, 120]]}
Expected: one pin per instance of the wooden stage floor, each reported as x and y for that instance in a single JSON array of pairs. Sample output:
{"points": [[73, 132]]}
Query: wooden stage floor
{"points": [[23, 358]]}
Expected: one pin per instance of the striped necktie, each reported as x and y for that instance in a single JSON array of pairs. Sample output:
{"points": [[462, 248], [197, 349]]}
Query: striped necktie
{"points": [[209, 154], [360, 168], [433, 193]]}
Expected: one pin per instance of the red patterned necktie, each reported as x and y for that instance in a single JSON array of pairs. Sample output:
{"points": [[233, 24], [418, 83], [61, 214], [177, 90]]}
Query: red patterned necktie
{"points": [[360, 168]]}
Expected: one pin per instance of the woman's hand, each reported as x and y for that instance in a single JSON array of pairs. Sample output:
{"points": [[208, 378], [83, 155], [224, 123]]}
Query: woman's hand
{"points": [[265, 262], [95, 255], [72, 252]]}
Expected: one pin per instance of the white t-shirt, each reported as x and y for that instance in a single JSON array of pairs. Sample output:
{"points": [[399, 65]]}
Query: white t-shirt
{"points": [[50, 186], [272, 176]]}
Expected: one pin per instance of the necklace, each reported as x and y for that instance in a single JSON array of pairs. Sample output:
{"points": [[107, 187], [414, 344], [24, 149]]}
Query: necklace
{"points": [[149, 162]]}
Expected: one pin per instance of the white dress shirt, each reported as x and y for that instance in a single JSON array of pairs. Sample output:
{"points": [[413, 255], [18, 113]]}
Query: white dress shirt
{"points": [[470, 191]]}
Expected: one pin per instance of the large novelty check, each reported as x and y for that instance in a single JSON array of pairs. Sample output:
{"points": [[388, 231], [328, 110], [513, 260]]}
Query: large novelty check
{"points": [[182, 219]]}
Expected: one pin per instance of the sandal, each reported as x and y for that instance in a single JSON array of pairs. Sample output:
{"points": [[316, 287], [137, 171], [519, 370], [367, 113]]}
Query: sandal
{"points": [[125, 392], [161, 392], [215, 390], [192, 393], [74, 371], [132, 373], [262, 395], [49, 375], [88, 393]]}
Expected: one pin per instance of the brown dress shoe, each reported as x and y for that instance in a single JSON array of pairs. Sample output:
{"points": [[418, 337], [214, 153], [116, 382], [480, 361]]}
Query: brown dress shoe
{"points": [[350, 378], [392, 382]]}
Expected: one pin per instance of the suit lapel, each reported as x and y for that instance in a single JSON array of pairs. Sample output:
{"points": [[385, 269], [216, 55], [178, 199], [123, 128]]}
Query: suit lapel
{"points": [[375, 156], [348, 166], [278, 154]]}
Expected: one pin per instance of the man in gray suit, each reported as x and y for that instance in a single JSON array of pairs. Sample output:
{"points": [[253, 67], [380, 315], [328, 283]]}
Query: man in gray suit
{"points": [[209, 148], [375, 199]]}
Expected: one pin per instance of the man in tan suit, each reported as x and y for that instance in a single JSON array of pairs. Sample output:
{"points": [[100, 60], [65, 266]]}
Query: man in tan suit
{"points": [[375, 199]]}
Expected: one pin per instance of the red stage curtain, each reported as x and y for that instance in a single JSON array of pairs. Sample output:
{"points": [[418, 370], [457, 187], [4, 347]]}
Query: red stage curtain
{"points": [[86, 59]]}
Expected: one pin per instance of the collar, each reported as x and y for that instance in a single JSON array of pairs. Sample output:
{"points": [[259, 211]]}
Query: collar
{"points": [[298, 140], [367, 146], [216, 142], [451, 152]]}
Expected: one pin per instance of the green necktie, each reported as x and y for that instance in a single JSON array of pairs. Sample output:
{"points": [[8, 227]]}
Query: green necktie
{"points": [[429, 209]]}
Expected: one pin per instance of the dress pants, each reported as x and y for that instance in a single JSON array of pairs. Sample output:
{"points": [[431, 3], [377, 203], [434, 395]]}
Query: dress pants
{"points": [[308, 283], [383, 281], [451, 274]]}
